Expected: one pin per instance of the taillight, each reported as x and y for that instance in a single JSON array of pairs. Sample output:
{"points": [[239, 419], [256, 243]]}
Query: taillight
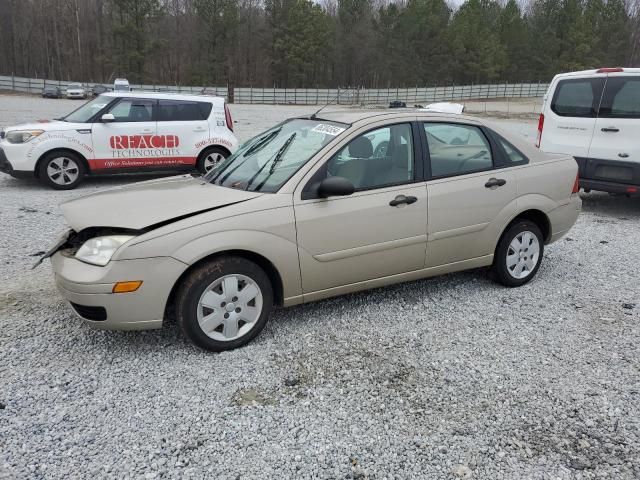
{"points": [[540, 127], [576, 184], [227, 116], [610, 70]]}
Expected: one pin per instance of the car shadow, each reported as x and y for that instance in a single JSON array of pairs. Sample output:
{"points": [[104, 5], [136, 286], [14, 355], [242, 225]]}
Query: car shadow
{"points": [[603, 204]]}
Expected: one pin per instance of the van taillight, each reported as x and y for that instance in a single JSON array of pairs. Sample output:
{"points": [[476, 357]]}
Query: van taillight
{"points": [[227, 116], [576, 184], [540, 127], [610, 70]]}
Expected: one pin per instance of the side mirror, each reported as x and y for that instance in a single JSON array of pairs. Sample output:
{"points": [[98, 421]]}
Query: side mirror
{"points": [[335, 187], [107, 117]]}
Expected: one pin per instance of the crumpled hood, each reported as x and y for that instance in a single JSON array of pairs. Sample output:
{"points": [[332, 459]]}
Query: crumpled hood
{"points": [[145, 204]]}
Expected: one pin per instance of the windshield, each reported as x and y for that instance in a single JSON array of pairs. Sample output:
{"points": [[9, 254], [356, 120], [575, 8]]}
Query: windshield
{"points": [[88, 110], [266, 162]]}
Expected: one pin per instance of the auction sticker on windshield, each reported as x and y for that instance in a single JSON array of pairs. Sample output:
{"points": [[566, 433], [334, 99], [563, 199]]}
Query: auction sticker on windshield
{"points": [[328, 129]]}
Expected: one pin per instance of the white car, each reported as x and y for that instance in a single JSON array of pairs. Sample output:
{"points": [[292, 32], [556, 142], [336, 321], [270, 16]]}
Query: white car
{"points": [[121, 132], [76, 90], [594, 115]]}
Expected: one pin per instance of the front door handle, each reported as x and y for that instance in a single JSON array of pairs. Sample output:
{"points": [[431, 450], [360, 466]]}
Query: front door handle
{"points": [[610, 129], [495, 182], [623, 155], [402, 200]]}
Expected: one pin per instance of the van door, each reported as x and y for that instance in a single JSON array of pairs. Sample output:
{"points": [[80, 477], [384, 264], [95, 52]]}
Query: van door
{"points": [[186, 120], [570, 117], [129, 140], [614, 155]]}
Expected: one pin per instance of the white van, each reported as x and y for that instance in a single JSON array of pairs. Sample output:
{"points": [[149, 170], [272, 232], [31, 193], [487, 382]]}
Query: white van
{"points": [[594, 115], [121, 132], [121, 85]]}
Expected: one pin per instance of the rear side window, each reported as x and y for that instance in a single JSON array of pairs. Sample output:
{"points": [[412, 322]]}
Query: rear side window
{"points": [[456, 149], [577, 97], [514, 156], [621, 98], [183, 110]]}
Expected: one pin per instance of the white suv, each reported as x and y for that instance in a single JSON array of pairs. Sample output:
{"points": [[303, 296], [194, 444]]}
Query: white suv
{"points": [[594, 115], [121, 132]]}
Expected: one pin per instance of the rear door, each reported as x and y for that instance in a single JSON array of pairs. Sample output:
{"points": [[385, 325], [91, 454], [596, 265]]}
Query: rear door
{"points": [[186, 122], [615, 149], [570, 117], [129, 140], [471, 192]]}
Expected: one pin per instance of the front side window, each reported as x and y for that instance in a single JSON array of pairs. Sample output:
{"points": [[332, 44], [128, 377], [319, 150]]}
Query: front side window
{"points": [[266, 162], [577, 97], [376, 159], [456, 149], [182, 110], [621, 98], [133, 110]]}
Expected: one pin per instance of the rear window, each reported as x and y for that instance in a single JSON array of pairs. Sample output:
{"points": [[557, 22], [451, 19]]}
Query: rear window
{"points": [[577, 97], [621, 98], [183, 110]]}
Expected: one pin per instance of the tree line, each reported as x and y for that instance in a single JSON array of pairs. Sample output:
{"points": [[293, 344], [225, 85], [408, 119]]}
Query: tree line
{"points": [[304, 43]]}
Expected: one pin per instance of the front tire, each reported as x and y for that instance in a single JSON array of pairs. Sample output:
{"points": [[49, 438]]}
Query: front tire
{"points": [[519, 254], [61, 170], [224, 304], [210, 158]]}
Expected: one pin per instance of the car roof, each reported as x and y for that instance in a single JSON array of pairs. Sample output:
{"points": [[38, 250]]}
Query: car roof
{"points": [[163, 95], [595, 71], [366, 116]]}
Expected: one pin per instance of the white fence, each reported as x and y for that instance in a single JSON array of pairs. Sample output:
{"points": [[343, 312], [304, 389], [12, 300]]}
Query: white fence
{"points": [[317, 96]]}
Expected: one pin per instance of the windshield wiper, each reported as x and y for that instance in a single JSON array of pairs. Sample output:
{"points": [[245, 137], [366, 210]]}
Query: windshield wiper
{"points": [[261, 143], [276, 160]]}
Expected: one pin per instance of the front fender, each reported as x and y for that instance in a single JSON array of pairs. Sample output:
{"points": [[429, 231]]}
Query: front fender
{"points": [[281, 252]]}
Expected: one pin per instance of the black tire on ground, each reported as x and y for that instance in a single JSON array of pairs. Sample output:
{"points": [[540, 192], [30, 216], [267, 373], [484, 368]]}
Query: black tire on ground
{"points": [[199, 280], [52, 157], [500, 269], [200, 163]]}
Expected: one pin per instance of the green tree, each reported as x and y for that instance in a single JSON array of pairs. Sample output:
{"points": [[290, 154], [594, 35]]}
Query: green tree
{"points": [[478, 54]]}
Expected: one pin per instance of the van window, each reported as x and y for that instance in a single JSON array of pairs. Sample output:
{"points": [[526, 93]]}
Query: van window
{"points": [[183, 110], [577, 97], [621, 98]]}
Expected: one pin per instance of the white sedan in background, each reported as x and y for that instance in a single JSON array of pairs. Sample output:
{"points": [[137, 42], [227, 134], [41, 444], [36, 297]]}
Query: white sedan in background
{"points": [[76, 90]]}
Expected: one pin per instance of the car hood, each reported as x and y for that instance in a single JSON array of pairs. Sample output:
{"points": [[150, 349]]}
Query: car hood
{"points": [[146, 205], [48, 126]]}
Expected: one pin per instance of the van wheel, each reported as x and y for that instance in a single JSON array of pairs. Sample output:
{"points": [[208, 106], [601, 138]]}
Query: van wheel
{"points": [[61, 170], [211, 157], [519, 254], [224, 304]]}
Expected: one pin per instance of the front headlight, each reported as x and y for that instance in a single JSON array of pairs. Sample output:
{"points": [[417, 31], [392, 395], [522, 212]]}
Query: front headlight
{"points": [[99, 250], [22, 136]]}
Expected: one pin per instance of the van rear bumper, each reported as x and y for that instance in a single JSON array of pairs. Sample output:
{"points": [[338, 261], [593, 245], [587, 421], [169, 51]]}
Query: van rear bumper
{"points": [[609, 175]]}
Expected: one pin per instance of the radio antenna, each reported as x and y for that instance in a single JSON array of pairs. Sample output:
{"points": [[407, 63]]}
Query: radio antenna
{"points": [[313, 117]]}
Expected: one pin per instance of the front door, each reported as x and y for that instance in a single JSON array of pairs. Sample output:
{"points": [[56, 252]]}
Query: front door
{"points": [[130, 140], [467, 196], [379, 230], [617, 131]]}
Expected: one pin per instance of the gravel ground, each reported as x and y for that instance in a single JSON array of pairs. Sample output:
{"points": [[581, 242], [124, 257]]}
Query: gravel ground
{"points": [[539, 382]]}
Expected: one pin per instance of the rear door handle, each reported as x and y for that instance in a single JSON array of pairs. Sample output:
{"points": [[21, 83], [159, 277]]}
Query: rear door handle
{"points": [[495, 182], [610, 129], [401, 199]]}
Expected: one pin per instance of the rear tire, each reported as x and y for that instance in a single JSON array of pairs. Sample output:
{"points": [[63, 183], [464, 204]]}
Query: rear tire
{"points": [[224, 304], [519, 253], [61, 170], [210, 158]]}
